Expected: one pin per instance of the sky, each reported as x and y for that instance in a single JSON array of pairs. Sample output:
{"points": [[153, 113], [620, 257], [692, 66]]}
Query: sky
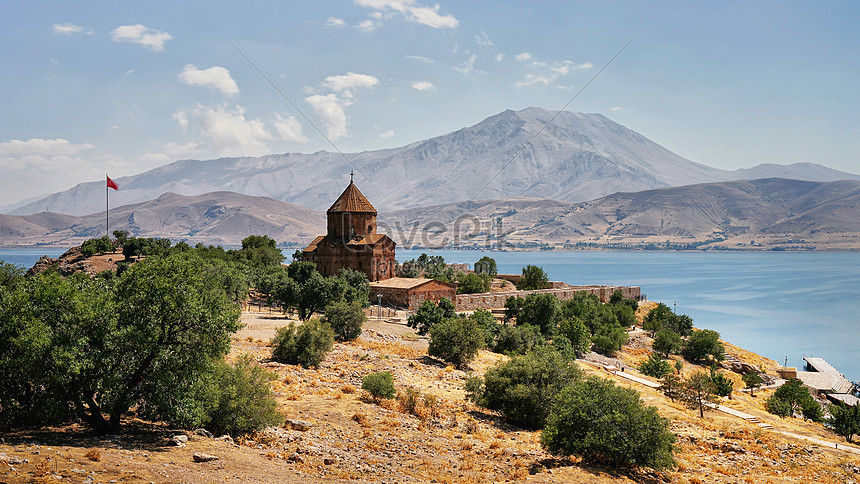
{"points": [[94, 88]]}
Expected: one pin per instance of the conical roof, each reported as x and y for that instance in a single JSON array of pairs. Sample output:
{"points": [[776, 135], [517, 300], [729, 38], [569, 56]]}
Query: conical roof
{"points": [[352, 200]]}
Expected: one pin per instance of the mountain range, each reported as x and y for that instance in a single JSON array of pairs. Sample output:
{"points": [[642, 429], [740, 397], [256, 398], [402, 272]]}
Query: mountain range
{"points": [[747, 214], [565, 156]]}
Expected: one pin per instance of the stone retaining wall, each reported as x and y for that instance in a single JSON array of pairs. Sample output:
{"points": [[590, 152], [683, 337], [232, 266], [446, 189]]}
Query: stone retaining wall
{"points": [[494, 300]]}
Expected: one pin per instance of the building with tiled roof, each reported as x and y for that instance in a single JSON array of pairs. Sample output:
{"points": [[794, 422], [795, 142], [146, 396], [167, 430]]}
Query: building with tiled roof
{"points": [[351, 240]]}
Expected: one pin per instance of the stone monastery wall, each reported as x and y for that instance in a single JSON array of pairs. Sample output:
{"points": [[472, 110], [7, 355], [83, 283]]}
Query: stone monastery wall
{"points": [[495, 300]]}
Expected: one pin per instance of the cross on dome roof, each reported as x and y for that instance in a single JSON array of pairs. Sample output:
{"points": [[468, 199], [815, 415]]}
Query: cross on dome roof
{"points": [[351, 200]]}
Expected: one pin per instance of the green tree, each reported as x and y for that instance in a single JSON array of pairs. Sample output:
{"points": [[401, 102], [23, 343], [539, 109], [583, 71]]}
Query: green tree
{"points": [[518, 340], [379, 385], [704, 346], [811, 410], [844, 420], [577, 333], [542, 310], [97, 246], [471, 283], [661, 317], [624, 433], [525, 387], [671, 385], [788, 398], [456, 340], [306, 345], [752, 380], [345, 319], [722, 385], [697, 392], [609, 339], [356, 287], [487, 322], [260, 251], [10, 274], [429, 314], [667, 342], [486, 265], [655, 366], [513, 306], [533, 278]]}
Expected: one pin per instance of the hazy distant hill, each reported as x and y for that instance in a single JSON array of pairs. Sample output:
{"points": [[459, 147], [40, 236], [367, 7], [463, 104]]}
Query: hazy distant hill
{"points": [[221, 218], [738, 214], [577, 157], [764, 213]]}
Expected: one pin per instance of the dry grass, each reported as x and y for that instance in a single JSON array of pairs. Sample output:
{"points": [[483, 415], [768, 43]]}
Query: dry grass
{"points": [[94, 455]]}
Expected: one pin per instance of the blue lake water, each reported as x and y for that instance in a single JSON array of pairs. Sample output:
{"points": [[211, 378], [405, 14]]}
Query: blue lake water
{"points": [[777, 304]]}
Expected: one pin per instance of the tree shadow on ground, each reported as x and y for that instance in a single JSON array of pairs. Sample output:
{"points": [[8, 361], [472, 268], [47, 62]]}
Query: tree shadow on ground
{"points": [[134, 434]]}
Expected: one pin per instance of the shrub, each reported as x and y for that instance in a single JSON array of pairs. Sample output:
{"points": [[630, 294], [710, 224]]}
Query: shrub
{"points": [[524, 388], [577, 333], [609, 339], [518, 340], [844, 420], [704, 346], [456, 340], [345, 319], [624, 433], [655, 366], [667, 342], [542, 310], [487, 322], [237, 399], [97, 246], [788, 398], [533, 278], [513, 306], [471, 283], [306, 346], [429, 314], [380, 385], [722, 385]]}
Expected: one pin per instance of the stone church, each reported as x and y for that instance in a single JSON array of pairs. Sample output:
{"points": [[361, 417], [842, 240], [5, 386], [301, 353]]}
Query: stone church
{"points": [[351, 240]]}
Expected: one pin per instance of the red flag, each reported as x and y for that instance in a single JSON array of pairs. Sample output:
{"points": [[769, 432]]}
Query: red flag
{"points": [[111, 184]]}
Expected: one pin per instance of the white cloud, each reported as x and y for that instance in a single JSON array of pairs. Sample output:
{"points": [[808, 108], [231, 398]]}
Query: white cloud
{"points": [[140, 34], [367, 25], [331, 109], [468, 66], [231, 133], [345, 83], [430, 17], [290, 129], [412, 12], [334, 21], [69, 29], [130, 71], [38, 166], [523, 57], [42, 147], [483, 39], [182, 118], [500, 57], [533, 79], [386, 134], [423, 85], [420, 58], [216, 76], [168, 152], [616, 108]]}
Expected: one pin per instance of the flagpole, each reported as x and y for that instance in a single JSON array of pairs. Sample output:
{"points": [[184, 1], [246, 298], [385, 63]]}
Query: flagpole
{"points": [[107, 208]]}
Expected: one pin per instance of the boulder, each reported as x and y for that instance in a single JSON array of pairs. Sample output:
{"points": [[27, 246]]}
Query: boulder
{"points": [[179, 440], [204, 433], [300, 425], [201, 457]]}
